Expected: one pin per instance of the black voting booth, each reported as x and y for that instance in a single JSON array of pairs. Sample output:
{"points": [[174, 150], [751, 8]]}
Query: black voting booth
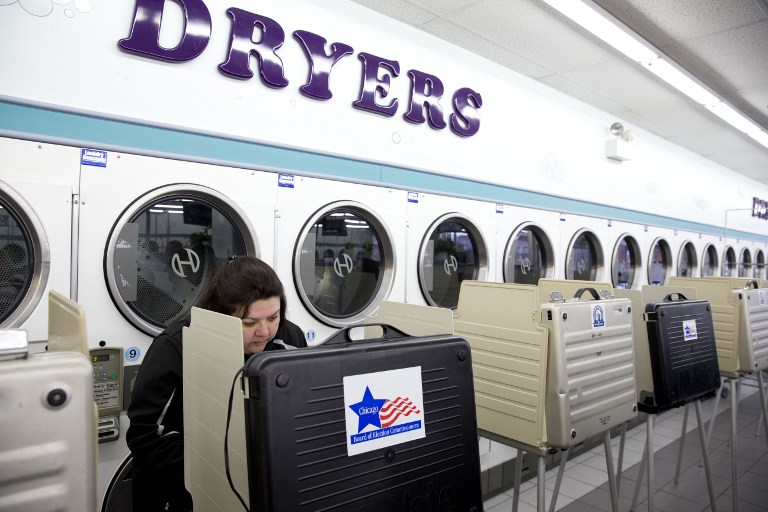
{"points": [[683, 353], [684, 367], [297, 428]]}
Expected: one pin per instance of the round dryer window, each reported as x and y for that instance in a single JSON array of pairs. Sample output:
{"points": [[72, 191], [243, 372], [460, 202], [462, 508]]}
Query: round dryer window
{"points": [[660, 263], [453, 250], [709, 263], [528, 256], [745, 264], [760, 265], [584, 260], [24, 259], [343, 263], [729, 263], [626, 261], [687, 261], [165, 248]]}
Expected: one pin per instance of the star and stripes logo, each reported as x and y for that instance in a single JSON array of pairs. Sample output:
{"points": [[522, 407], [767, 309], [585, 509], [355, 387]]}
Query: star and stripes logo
{"points": [[383, 409], [393, 409], [381, 413]]}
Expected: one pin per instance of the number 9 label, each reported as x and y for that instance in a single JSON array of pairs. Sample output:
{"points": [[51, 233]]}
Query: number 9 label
{"points": [[132, 353]]}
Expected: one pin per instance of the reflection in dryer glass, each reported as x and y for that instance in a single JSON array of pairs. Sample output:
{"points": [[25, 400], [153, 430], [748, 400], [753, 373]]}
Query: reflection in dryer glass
{"points": [[687, 263], [729, 263], [745, 266], [526, 262], [341, 263], [759, 265], [659, 263], [582, 264], [625, 262], [16, 266], [709, 265], [451, 256], [166, 254]]}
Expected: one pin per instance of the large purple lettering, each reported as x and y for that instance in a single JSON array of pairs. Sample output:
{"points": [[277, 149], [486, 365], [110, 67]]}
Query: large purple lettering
{"points": [[145, 31], [465, 120], [377, 72], [371, 84], [241, 46], [424, 87], [320, 63]]}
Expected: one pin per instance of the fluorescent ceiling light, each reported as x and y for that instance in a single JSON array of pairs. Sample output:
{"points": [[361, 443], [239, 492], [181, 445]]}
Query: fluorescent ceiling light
{"points": [[602, 24], [598, 21], [733, 117], [678, 78], [760, 136]]}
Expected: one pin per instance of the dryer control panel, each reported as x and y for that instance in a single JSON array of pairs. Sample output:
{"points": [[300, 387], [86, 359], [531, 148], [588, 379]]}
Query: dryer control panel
{"points": [[107, 372], [108, 390]]}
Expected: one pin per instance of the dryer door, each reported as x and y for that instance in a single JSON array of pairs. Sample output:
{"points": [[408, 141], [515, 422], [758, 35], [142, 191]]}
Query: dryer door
{"points": [[452, 250], [24, 259], [343, 263], [165, 248]]}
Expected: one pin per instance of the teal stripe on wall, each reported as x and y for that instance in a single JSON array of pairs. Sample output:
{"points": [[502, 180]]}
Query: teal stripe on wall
{"points": [[39, 123]]}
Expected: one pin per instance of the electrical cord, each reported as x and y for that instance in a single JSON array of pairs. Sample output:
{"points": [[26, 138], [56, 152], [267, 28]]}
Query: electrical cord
{"points": [[226, 440]]}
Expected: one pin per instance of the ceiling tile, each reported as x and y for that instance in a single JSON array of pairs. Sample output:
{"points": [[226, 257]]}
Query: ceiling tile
{"points": [[399, 10], [536, 31], [730, 61], [443, 7], [479, 45], [668, 21]]}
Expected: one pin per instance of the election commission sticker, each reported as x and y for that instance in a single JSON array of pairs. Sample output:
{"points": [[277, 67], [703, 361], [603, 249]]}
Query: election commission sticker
{"points": [[383, 409]]}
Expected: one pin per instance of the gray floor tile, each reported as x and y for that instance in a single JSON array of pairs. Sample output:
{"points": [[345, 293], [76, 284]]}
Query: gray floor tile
{"points": [[691, 493]]}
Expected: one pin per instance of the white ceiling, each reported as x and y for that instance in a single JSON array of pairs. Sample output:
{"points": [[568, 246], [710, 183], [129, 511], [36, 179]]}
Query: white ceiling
{"points": [[724, 43]]}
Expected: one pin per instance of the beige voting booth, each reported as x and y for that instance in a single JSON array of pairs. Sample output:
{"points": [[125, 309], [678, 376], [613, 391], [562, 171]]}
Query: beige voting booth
{"points": [[550, 370], [48, 419], [545, 376], [213, 353]]}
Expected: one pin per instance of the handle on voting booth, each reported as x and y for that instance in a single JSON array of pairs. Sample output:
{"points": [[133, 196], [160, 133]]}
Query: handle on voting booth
{"points": [[345, 335], [581, 292], [669, 297]]}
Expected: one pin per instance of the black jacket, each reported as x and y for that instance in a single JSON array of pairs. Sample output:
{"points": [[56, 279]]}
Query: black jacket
{"points": [[156, 433]]}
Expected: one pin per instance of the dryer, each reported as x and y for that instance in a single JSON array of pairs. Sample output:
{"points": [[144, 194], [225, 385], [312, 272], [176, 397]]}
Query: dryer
{"points": [[525, 244], [38, 188], [339, 251], [585, 243], [450, 240], [152, 233]]}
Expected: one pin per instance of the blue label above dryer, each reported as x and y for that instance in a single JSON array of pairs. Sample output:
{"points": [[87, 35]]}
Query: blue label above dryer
{"points": [[93, 157], [286, 180]]}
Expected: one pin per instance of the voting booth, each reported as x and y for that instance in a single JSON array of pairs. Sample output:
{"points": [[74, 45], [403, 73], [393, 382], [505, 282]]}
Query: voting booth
{"points": [[347, 424], [48, 420]]}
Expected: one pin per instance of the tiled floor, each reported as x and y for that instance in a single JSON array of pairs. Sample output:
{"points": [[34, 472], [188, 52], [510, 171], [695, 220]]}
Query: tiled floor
{"points": [[584, 487]]}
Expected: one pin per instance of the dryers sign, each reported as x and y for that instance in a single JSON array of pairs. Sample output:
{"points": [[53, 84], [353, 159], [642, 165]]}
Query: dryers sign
{"points": [[426, 90], [759, 208]]}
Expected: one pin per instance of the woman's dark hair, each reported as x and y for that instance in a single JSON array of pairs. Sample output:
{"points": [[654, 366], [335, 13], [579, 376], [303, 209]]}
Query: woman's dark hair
{"points": [[237, 284]]}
